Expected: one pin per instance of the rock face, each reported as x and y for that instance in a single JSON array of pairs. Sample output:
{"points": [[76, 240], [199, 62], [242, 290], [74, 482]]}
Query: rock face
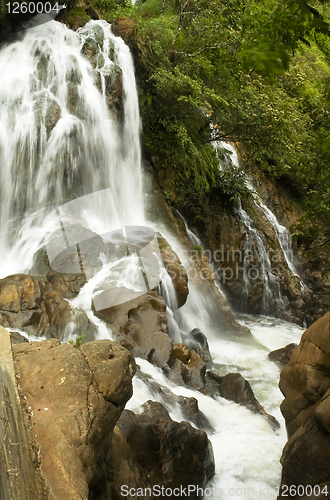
{"points": [[151, 449], [228, 239], [199, 272], [73, 398], [39, 307], [236, 388], [305, 383]]}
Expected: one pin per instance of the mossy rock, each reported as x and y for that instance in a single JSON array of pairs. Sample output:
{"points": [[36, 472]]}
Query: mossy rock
{"points": [[74, 18]]}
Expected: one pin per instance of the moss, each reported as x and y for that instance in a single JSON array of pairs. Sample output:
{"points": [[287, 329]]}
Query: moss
{"points": [[75, 17]]}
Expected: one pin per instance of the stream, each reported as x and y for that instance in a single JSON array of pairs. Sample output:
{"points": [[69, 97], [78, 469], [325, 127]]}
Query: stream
{"points": [[66, 159]]}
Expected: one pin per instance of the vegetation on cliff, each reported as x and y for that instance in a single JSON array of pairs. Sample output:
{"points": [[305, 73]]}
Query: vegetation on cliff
{"points": [[259, 74]]}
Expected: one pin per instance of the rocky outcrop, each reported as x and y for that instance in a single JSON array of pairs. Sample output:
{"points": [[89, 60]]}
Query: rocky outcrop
{"points": [[72, 400], [140, 325], [197, 341], [187, 366], [305, 383], [236, 388], [124, 27], [283, 354], [151, 449], [39, 306], [189, 406]]}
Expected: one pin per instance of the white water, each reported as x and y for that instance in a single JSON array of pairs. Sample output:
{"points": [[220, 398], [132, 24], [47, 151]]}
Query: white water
{"points": [[86, 152], [83, 153], [246, 449], [254, 244]]}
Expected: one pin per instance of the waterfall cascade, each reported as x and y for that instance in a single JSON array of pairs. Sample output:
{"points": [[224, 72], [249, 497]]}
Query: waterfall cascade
{"points": [[61, 144], [255, 248]]}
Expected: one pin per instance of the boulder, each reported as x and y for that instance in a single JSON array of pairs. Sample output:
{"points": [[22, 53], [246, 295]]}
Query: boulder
{"points": [[182, 352], [191, 373], [188, 406], [305, 383], [306, 377], [140, 324], [236, 388], [197, 341], [151, 449], [282, 355], [39, 307], [72, 399]]}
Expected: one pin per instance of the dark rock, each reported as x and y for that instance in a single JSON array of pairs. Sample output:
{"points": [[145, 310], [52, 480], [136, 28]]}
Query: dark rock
{"points": [[189, 406], [191, 412], [72, 399], [92, 12], [305, 383], [236, 388], [197, 341], [282, 355], [151, 449]]}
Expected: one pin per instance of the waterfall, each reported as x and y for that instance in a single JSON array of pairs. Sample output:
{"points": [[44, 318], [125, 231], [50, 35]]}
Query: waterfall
{"points": [[70, 150], [254, 244], [58, 140]]}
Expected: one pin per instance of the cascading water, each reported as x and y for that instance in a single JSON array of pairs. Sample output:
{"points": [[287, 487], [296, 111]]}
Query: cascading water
{"points": [[58, 139], [61, 144], [255, 249]]}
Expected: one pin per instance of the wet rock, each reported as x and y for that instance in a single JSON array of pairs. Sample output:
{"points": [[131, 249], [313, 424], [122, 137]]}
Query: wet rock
{"points": [[175, 269], [192, 373], [191, 412], [236, 388], [72, 400], [197, 341], [114, 92], [151, 449], [141, 322], [39, 306], [90, 49], [189, 406], [282, 355], [182, 352]]}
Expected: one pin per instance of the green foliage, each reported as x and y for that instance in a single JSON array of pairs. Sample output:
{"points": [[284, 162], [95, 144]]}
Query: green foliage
{"points": [[114, 9], [259, 73], [79, 340]]}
